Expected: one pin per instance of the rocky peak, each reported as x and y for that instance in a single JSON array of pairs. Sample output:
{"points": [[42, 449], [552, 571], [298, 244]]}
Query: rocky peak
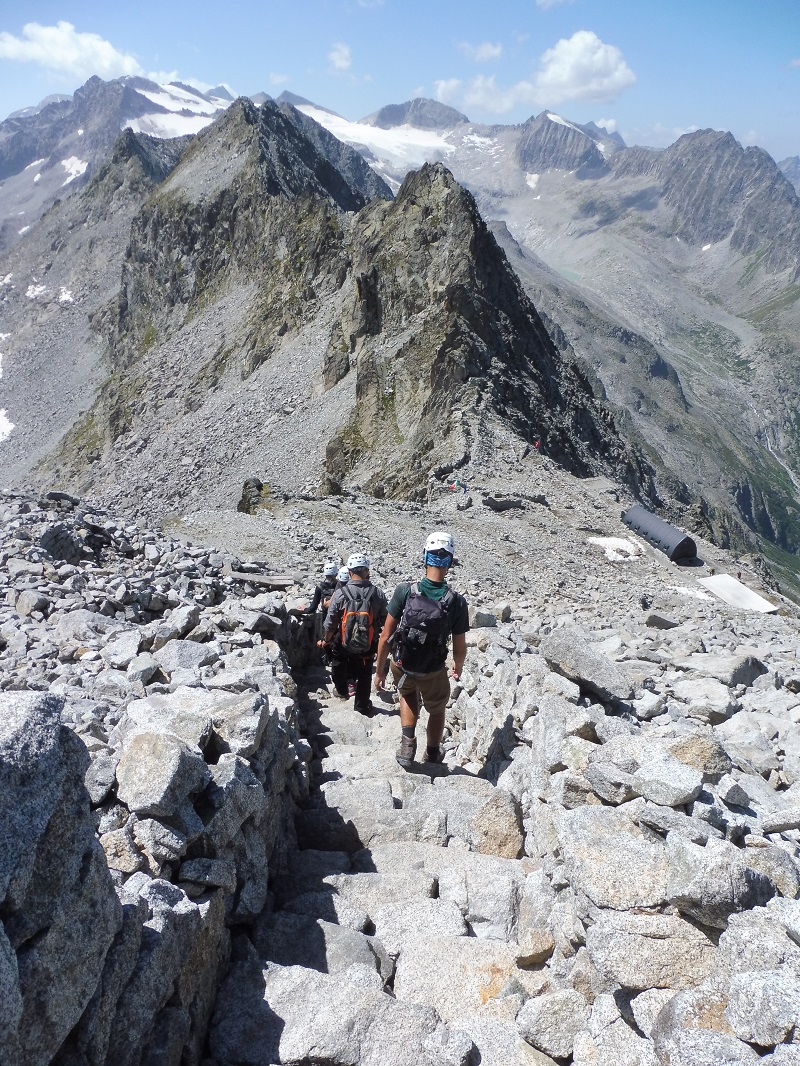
{"points": [[448, 349], [420, 112], [790, 168], [720, 190], [345, 159], [549, 142]]}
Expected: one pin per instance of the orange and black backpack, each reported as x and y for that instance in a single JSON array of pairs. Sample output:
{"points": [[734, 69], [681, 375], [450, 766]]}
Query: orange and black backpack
{"points": [[358, 618]]}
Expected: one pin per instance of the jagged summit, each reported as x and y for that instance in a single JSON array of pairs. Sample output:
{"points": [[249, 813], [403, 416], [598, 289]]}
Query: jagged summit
{"points": [[550, 142], [420, 112], [448, 348], [720, 190], [287, 163]]}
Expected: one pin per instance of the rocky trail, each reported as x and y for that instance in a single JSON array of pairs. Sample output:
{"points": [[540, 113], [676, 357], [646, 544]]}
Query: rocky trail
{"points": [[210, 860]]}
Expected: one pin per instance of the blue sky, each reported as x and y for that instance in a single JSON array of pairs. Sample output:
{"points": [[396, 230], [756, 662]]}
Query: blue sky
{"points": [[651, 69]]}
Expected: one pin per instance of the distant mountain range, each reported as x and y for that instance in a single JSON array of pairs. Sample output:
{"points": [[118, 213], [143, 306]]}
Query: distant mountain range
{"points": [[671, 277]]}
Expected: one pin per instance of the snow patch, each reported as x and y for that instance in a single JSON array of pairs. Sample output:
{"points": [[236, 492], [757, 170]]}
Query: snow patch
{"points": [[173, 98], [23, 230], [5, 425], [532, 180], [80, 133], [74, 167], [402, 146], [165, 126], [559, 121], [35, 163], [65, 296], [694, 594], [6, 280], [33, 291], [37, 178], [706, 247], [618, 549]]}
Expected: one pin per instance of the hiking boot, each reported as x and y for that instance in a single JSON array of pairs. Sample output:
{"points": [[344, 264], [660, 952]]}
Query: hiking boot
{"points": [[351, 689], [407, 751], [434, 755]]}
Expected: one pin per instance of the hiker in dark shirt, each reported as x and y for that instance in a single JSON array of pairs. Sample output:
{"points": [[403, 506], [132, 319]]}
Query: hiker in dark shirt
{"points": [[421, 618], [353, 625], [322, 597]]}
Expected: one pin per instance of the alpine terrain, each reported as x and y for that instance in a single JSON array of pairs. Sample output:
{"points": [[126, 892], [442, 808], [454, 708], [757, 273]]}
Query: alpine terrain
{"points": [[246, 340]]}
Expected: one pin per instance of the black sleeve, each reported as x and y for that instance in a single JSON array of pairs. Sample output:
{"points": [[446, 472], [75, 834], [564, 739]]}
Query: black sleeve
{"points": [[315, 601], [460, 615]]}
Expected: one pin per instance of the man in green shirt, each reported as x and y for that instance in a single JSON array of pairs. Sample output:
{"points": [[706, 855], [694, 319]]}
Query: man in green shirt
{"points": [[421, 619]]}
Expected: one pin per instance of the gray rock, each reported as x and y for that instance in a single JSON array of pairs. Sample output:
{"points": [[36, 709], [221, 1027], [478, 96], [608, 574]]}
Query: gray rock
{"points": [[301, 940], [142, 668], [289, 1014], [730, 670], [641, 951], [607, 857], [101, 777], [184, 655], [397, 924], [239, 724], [568, 651], [609, 1039], [185, 713], [667, 781], [60, 912], [710, 883], [764, 1007], [157, 773], [551, 1021], [120, 652], [179, 623], [610, 783], [781, 821]]}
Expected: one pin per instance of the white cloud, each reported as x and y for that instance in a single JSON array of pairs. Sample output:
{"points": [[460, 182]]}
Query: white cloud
{"points": [[278, 79], [545, 4], [480, 53], [579, 68], [608, 124], [61, 48], [448, 90], [339, 57], [582, 67]]}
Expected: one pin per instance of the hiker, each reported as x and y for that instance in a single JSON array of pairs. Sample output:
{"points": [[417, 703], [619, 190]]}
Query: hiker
{"points": [[352, 627], [322, 596], [421, 618]]}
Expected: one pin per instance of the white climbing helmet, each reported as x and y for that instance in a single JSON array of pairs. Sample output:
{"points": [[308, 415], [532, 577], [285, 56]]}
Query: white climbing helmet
{"points": [[331, 570], [440, 541], [343, 574], [358, 562]]}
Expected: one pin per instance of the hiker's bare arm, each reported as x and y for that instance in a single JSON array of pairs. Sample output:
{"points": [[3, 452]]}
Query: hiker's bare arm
{"points": [[459, 654], [382, 663]]}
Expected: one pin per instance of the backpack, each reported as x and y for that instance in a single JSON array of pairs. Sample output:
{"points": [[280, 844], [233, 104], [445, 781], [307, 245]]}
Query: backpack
{"points": [[358, 619], [420, 643]]}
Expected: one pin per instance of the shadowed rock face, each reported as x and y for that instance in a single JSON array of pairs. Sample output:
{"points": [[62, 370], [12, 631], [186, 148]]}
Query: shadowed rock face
{"points": [[446, 344]]}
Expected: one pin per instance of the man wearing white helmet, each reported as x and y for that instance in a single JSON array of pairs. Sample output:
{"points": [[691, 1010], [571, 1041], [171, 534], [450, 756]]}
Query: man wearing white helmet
{"points": [[353, 624], [421, 619], [322, 595]]}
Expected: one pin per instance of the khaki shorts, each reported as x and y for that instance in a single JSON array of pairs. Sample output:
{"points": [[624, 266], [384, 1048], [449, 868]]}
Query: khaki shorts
{"points": [[434, 689]]}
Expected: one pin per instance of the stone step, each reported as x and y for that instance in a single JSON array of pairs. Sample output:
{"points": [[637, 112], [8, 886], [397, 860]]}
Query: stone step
{"points": [[271, 1014]]}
